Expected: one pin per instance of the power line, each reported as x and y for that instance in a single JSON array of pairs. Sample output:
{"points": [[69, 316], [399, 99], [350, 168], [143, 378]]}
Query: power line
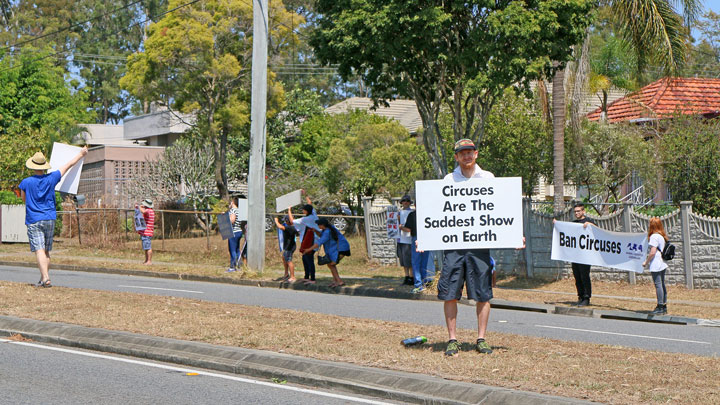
{"points": [[33, 39], [124, 29]]}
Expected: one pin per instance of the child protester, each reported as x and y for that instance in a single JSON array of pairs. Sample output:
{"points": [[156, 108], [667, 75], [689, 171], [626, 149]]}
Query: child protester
{"points": [[336, 247], [289, 245], [146, 208]]}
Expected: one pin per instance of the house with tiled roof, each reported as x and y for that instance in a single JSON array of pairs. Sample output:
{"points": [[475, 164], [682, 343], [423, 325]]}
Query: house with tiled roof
{"points": [[403, 111], [663, 99]]}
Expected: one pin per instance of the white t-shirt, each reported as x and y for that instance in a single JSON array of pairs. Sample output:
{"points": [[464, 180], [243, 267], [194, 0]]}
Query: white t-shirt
{"points": [[657, 263], [306, 222], [405, 236], [457, 175]]}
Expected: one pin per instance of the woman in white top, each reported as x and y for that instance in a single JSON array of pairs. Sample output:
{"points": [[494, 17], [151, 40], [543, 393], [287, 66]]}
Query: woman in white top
{"points": [[657, 240]]}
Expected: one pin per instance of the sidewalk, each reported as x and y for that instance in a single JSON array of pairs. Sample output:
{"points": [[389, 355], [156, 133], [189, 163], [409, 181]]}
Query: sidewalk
{"points": [[394, 294], [379, 383]]}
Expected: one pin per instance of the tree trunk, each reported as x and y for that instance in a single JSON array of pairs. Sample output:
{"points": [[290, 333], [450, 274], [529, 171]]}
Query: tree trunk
{"points": [[219, 154], [558, 102], [580, 84]]}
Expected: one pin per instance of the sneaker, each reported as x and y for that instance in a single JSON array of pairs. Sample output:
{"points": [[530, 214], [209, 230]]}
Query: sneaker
{"points": [[418, 290], [230, 270], [408, 281], [483, 347], [659, 310], [452, 348], [583, 303]]}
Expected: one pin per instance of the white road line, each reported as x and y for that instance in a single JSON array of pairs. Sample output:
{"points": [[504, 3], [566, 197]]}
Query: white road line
{"points": [[205, 373], [162, 289], [624, 334]]}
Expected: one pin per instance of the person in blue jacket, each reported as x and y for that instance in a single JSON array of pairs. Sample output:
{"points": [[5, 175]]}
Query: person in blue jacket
{"points": [[335, 245]]}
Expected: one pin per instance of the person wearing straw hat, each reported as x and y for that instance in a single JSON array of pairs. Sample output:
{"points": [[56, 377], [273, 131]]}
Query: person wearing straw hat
{"points": [[38, 194], [146, 208]]}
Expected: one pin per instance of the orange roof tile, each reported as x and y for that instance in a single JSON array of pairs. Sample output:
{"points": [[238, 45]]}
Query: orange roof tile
{"points": [[664, 98]]}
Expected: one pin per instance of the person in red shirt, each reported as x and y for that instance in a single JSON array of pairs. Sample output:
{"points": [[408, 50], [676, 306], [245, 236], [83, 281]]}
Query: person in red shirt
{"points": [[146, 207]]}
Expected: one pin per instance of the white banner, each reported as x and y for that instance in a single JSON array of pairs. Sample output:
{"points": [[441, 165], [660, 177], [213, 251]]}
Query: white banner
{"points": [[592, 245], [473, 214], [288, 200], [61, 154]]}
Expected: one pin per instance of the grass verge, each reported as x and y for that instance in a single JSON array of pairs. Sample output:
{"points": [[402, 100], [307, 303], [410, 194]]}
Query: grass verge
{"points": [[580, 370]]}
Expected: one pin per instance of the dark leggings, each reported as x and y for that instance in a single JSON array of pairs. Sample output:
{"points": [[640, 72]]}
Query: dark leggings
{"points": [[309, 265]]}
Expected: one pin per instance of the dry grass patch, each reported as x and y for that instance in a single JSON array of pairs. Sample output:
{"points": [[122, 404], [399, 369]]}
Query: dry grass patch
{"points": [[580, 370], [700, 303]]}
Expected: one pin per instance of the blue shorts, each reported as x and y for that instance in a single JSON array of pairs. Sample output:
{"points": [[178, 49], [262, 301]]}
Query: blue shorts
{"points": [[469, 267], [40, 235], [146, 242], [287, 255]]}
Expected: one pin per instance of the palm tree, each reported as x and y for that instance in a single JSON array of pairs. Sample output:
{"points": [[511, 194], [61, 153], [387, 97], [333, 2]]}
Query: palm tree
{"points": [[654, 31]]}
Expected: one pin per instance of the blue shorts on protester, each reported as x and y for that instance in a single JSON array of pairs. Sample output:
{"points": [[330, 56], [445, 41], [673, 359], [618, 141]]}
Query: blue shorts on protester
{"points": [[469, 267], [40, 235], [146, 242]]}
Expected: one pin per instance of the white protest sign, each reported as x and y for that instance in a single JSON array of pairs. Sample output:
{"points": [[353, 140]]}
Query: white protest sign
{"points": [[60, 155], [243, 208], [393, 225], [288, 200], [592, 245], [479, 213]]}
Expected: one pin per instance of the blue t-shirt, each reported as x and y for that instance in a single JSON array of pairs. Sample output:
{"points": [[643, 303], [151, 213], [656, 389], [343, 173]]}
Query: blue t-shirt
{"points": [[40, 197], [332, 247]]}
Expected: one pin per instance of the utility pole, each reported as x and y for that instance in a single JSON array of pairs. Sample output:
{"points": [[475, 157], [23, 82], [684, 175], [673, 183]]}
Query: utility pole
{"points": [[256, 175]]}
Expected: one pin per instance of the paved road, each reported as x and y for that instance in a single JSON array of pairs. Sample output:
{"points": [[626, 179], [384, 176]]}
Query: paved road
{"points": [[43, 374], [704, 341]]}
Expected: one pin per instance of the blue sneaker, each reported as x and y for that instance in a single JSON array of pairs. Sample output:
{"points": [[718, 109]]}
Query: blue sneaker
{"points": [[418, 290], [230, 270]]}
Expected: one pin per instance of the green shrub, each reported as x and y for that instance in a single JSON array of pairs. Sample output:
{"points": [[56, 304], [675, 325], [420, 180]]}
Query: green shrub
{"points": [[9, 198]]}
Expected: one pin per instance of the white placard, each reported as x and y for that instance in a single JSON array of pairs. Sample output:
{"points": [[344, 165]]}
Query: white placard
{"points": [[61, 154], [288, 200], [393, 225], [592, 245], [479, 213], [243, 208]]}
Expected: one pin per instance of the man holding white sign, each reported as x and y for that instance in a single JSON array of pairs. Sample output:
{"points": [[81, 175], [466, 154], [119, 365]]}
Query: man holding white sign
{"points": [[465, 214], [38, 194]]}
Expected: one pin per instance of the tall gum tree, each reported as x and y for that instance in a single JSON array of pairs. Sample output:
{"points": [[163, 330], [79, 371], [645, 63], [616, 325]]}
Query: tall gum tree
{"points": [[457, 55], [197, 60]]}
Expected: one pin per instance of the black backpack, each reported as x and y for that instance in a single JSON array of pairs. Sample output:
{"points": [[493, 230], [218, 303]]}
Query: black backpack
{"points": [[668, 252]]}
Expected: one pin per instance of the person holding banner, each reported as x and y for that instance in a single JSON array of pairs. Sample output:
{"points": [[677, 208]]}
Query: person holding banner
{"points": [[146, 208], [234, 242], [306, 228], [581, 272], [404, 243], [289, 233], [657, 238], [38, 194], [466, 266]]}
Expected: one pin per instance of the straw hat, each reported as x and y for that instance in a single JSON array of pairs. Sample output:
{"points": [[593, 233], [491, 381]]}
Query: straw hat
{"points": [[37, 162], [147, 203]]}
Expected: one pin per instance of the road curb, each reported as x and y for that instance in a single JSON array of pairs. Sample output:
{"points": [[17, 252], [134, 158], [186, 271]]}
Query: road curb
{"points": [[381, 383], [378, 293]]}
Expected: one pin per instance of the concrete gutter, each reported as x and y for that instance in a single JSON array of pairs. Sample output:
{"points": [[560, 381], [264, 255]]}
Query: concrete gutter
{"points": [[380, 293], [379, 383]]}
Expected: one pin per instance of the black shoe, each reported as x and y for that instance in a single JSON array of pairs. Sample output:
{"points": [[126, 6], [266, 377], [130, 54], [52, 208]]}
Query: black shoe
{"points": [[659, 310], [408, 281], [583, 303]]}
